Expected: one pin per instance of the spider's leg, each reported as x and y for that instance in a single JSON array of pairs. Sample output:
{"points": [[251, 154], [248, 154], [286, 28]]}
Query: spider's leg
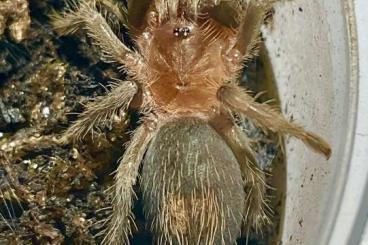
{"points": [[137, 9], [239, 101], [256, 211], [117, 9], [85, 15], [121, 220], [249, 30], [102, 111]]}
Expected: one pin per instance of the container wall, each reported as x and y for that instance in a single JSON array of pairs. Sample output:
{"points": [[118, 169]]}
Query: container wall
{"points": [[309, 51]]}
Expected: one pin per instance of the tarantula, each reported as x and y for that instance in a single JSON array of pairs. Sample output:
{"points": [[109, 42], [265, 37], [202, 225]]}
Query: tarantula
{"points": [[199, 177]]}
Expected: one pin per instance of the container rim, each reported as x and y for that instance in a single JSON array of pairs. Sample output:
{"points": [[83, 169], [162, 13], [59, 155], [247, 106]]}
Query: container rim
{"points": [[341, 176]]}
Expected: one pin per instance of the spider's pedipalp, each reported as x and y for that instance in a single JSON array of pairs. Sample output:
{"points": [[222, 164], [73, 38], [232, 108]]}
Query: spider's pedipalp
{"points": [[102, 111], [239, 101], [122, 220], [85, 15]]}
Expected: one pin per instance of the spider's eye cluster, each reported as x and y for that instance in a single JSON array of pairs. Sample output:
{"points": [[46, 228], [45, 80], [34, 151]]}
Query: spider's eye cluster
{"points": [[182, 32]]}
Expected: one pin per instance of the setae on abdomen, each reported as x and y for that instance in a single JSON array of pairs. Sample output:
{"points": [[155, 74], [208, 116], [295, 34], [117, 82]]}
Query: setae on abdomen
{"points": [[192, 185]]}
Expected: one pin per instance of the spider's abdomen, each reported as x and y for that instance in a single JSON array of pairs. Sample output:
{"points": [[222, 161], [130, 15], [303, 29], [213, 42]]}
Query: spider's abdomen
{"points": [[192, 185]]}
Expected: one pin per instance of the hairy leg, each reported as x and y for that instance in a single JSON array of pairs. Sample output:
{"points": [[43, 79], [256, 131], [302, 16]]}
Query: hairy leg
{"points": [[137, 9], [239, 101], [85, 15], [102, 111], [257, 210], [248, 36], [121, 220], [115, 8], [251, 16]]}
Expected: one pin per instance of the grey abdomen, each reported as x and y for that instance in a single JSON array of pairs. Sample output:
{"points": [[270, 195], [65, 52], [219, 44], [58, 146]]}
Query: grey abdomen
{"points": [[192, 186]]}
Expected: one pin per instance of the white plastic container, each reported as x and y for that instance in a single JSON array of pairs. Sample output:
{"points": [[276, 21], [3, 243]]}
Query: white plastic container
{"points": [[313, 51]]}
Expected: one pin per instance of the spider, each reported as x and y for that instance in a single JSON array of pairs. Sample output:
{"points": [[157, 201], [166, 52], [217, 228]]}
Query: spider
{"points": [[197, 171]]}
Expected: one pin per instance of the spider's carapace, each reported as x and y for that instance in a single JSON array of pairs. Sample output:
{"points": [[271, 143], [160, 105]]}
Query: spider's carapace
{"points": [[186, 63]]}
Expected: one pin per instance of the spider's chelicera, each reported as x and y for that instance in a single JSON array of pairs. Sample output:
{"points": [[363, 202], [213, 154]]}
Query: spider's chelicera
{"points": [[199, 177]]}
